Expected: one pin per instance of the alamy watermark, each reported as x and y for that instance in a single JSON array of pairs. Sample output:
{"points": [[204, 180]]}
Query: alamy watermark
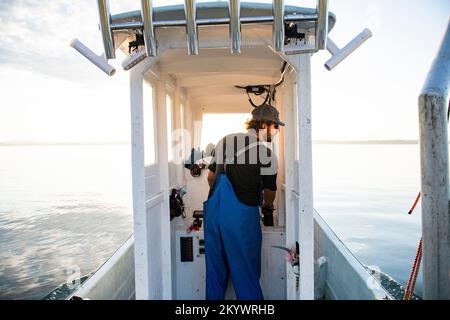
{"points": [[241, 148]]}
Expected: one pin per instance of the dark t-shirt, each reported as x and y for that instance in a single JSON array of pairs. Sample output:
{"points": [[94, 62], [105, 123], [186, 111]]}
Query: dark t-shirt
{"points": [[250, 167]]}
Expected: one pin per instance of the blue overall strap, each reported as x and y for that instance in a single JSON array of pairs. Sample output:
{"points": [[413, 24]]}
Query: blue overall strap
{"points": [[232, 244]]}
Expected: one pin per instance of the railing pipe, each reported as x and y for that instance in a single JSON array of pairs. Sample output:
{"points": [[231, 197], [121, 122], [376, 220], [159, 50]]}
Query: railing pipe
{"points": [[278, 25], [433, 103], [322, 24], [149, 32], [105, 28], [191, 26], [234, 9]]}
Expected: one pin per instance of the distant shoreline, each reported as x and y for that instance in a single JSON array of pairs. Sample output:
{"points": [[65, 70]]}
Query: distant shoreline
{"points": [[99, 143], [26, 143], [366, 142]]}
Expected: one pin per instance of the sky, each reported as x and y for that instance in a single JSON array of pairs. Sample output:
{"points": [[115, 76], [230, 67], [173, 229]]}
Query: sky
{"points": [[50, 93]]}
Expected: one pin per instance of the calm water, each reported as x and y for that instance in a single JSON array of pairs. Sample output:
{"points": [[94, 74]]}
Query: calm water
{"points": [[364, 192], [65, 209]]}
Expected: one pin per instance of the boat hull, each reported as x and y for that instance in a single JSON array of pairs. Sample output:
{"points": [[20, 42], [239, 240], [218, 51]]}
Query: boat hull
{"points": [[339, 275]]}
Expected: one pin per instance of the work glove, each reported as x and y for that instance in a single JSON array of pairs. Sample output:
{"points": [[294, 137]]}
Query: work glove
{"points": [[267, 216]]}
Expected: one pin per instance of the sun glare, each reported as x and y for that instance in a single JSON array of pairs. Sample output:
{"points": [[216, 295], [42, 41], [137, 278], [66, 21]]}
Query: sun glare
{"points": [[216, 125]]}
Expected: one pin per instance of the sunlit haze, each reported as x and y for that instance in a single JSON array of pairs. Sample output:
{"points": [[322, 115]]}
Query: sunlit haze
{"points": [[51, 93], [212, 125]]}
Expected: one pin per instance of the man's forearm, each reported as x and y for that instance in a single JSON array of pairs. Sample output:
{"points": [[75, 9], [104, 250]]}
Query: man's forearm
{"points": [[211, 178], [269, 197]]}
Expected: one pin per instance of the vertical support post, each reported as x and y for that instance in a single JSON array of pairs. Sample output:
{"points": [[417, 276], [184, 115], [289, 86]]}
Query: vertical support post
{"points": [[234, 10], [302, 65], [105, 27], [197, 117], [190, 11], [163, 161], [142, 266], [178, 136], [289, 157], [280, 214], [152, 255], [306, 218], [435, 176], [189, 126], [149, 32], [278, 24]]}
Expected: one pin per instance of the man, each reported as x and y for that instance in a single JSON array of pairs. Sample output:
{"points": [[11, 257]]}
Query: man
{"points": [[242, 177]]}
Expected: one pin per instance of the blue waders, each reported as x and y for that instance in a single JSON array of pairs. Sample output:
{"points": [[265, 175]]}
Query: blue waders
{"points": [[232, 244]]}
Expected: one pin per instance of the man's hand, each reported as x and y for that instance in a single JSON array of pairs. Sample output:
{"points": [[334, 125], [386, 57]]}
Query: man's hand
{"points": [[267, 207], [267, 210], [267, 216], [269, 197]]}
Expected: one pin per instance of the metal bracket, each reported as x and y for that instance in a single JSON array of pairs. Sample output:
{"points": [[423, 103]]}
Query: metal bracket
{"points": [[98, 60], [338, 55]]}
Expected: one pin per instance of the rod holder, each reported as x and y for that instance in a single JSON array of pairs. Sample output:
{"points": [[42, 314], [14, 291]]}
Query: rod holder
{"points": [[191, 26], [133, 59], [105, 28], [322, 24], [340, 54], [99, 61], [234, 10], [149, 31], [278, 24]]}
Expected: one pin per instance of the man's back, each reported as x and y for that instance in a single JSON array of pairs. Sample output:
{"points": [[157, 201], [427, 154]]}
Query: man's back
{"points": [[250, 166]]}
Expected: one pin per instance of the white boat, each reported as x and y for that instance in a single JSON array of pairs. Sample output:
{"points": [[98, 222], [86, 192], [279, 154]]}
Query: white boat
{"points": [[188, 60]]}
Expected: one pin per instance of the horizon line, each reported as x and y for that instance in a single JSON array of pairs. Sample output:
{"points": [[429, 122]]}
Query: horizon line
{"points": [[49, 143], [320, 141], [375, 141]]}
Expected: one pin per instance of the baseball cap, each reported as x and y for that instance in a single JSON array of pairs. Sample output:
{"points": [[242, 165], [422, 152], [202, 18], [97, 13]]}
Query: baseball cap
{"points": [[267, 113]]}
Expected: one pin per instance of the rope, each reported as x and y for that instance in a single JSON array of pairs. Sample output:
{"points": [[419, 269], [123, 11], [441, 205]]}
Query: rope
{"points": [[419, 259], [409, 291], [415, 203], [414, 273]]}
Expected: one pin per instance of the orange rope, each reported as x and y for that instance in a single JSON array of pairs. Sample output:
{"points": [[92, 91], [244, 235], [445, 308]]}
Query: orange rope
{"points": [[414, 273], [415, 203], [416, 265], [419, 259]]}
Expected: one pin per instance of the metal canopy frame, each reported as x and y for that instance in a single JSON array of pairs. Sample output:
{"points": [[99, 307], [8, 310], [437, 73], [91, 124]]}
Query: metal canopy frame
{"points": [[105, 27], [234, 12], [234, 20], [148, 29]]}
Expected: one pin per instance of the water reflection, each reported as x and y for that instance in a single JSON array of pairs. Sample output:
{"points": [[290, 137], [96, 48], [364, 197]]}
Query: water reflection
{"points": [[46, 236], [364, 193]]}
